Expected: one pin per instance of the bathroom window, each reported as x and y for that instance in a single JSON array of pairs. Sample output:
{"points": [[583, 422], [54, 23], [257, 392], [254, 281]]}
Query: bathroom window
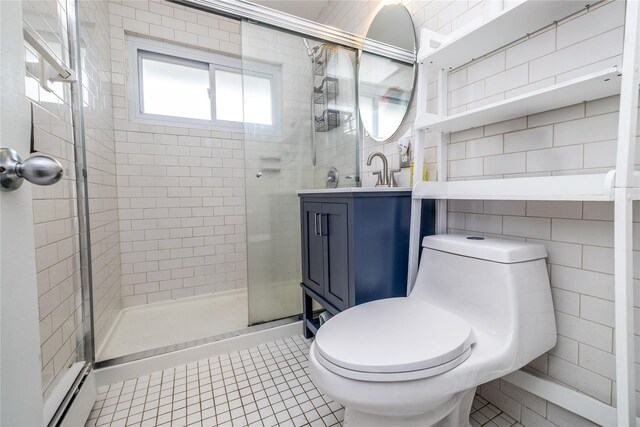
{"points": [[174, 84]]}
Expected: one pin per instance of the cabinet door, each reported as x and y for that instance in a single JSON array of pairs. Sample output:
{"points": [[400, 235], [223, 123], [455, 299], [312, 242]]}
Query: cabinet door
{"points": [[313, 265], [335, 231]]}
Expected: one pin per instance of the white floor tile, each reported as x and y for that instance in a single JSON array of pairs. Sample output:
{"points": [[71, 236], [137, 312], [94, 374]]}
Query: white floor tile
{"points": [[267, 385]]}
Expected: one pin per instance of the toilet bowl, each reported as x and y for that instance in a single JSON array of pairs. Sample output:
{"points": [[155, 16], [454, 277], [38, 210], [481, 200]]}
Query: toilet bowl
{"points": [[480, 308]]}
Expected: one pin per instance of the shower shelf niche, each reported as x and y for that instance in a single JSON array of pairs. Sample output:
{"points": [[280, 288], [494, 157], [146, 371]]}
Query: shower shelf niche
{"points": [[270, 163]]}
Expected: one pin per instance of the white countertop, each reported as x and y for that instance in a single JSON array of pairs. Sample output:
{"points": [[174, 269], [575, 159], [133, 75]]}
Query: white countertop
{"points": [[353, 190]]}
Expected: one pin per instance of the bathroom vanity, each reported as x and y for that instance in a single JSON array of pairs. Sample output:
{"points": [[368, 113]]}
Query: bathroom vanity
{"points": [[355, 246]]}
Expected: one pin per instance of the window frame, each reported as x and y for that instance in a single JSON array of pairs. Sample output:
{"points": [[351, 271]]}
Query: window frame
{"points": [[139, 48]]}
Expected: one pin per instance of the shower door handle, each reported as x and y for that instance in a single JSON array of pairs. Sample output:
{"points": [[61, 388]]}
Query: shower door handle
{"points": [[40, 170]]}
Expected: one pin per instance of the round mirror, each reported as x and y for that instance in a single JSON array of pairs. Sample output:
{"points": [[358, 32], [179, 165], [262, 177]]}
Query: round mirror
{"points": [[386, 72]]}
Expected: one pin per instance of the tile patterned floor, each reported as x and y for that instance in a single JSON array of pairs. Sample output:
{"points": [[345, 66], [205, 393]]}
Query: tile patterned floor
{"points": [[266, 385], [484, 413]]}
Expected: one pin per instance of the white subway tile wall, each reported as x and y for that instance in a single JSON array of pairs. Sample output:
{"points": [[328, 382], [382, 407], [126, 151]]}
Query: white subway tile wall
{"points": [[575, 139], [180, 189], [54, 208]]}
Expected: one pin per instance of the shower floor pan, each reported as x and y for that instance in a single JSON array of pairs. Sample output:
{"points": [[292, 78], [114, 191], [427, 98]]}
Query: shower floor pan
{"points": [[166, 323]]}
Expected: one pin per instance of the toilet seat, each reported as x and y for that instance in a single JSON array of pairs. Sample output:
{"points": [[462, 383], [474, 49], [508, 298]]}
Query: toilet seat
{"points": [[394, 339]]}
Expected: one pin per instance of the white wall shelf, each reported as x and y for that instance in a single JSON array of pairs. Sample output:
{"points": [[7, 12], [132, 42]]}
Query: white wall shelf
{"points": [[588, 187], [584, 88], [620, 186], [507, 26]]}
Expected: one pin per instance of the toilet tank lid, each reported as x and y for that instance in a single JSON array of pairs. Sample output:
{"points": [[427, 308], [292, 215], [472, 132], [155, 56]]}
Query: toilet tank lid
{"points": [[487, 248]]}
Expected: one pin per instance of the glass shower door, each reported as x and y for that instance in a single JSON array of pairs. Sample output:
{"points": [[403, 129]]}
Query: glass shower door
{"points": [[277, 163], [310, 135]]}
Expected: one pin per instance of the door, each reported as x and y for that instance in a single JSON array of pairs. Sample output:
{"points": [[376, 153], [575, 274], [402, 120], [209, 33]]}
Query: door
{"points": [[335, 231], [21, 401], [43, 312], [313, 247]]}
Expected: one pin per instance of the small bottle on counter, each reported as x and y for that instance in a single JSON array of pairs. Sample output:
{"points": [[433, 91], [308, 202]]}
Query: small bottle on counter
{"points": [[424, 172]]}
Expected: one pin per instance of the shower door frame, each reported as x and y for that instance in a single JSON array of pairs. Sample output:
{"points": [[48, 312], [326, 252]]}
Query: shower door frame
{"points": [[253, 12]]}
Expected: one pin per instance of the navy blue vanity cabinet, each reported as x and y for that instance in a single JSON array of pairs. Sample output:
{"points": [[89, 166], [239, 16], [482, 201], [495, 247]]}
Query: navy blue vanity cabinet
{"points": [[355, 247], [325, 241]]}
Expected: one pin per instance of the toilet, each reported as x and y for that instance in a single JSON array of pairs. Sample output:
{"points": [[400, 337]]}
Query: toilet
{"points": [[480, 309]]}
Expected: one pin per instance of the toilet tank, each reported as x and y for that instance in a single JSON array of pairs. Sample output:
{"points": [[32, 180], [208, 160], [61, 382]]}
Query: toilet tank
{"points": [[501, 287]]}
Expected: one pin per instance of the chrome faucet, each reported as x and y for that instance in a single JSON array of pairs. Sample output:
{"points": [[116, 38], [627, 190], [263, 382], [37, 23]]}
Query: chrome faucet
{"points": [[383, 178]]}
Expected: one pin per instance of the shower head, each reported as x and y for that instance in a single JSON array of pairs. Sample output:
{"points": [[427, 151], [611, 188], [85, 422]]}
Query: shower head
{"points": [[306, 44], [311, 51]]}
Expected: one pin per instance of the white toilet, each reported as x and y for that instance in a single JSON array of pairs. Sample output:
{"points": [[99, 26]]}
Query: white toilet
{"points": [[480, 308]]}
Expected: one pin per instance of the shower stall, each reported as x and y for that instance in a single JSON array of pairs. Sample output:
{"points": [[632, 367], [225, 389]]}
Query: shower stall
{"points": [[208, 218]]}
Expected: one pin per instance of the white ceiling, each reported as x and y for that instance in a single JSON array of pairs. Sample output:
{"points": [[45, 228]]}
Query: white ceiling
{"points": [[308, 9]]}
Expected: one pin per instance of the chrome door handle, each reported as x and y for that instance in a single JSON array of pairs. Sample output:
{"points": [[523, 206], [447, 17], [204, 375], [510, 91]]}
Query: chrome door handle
{"points": [[41, 170]]}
